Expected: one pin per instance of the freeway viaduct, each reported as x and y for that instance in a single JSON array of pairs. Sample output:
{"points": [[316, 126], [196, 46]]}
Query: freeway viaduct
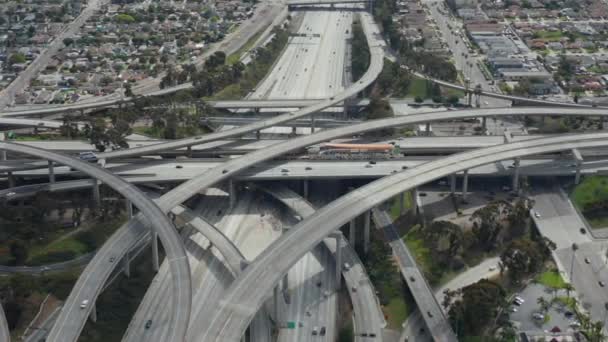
{"points": [[130, 234], [265, 271], [152, 216]]}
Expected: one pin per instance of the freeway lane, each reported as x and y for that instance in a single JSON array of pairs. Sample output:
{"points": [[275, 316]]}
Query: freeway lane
{"points": [[4, 332], [368, 315], [131, 233], [240, 303], [153, 217]]}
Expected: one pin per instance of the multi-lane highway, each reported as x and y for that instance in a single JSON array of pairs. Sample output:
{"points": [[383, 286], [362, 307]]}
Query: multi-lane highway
{"points": [[368, 316], [153, 217], [241, 303]]}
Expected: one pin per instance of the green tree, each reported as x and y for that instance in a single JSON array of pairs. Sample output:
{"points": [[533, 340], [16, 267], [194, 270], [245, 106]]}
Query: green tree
{"points": [[522, 257], [16, 58], [18, 252], [477, 308]]}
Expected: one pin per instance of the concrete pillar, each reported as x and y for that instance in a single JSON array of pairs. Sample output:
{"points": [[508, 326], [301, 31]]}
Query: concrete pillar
{"points": [[258, 134], [366, 227], [3, 155], [155, 260], [276, 303], [189, 151], [453, 184], [293, 130], [401, 203], [470, 98], [51, 172], [428, 128], [286, 282], [351, 233], [96, 195], [129, 206], [232, 193], [578, 160], [312, 123], [11, 180], [516, 175], [127, 265], [93, 315], [484, 123], [338, 237], [305, 185], [465, 185]]}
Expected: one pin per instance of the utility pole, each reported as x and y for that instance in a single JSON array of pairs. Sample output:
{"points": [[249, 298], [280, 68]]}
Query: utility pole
{"points": [[574, 249]]}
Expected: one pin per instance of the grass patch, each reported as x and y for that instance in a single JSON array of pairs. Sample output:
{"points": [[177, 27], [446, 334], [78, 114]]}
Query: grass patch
{"points": [[551, 36], [415, 243], [159, 132], [551, 279], [397, 311], [235, 57], [591, 197], [568, 302], [232, 91], [396, 204], [62, 247], [591, 190], [418, 87]]}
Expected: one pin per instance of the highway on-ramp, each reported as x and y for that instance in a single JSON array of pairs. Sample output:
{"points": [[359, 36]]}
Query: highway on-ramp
{"points": [[240, 303], [152, 216]]}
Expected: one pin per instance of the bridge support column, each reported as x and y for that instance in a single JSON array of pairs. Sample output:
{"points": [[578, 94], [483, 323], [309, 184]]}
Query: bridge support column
{"points": [[276, 303], [11, 180], [127, 265], [366, 226], [578, 160], [453, 184], [129, 206], [351, 232], [401, 203], [305, 186], [51, 172], [469, 98], [189, 151], [258, 134], [232, 193], [516, 174], [3, 152], [312, 123], [465, 185], [286, 282], [428, 129], [338, 237], [93, 315], [96, 195], [293, 130], [155, 260], [484, 123]]}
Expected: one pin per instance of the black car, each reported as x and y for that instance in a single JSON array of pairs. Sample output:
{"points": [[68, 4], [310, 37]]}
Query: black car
{"points": [[322, 331], [583, 230], [148, 324]]}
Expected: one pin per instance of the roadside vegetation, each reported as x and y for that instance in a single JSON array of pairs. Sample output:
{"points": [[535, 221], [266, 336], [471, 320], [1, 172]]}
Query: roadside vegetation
{"points": [[54, 228], [21, 296], [394, 295], [119, 302], [591, 198], [360, 52]]}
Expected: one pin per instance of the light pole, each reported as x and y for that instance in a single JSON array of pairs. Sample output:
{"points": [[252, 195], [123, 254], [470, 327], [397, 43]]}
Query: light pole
{"points": [[574, 249]]}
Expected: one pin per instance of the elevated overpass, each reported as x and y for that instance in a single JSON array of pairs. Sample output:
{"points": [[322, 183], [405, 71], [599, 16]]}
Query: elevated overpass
{"points": [[368, 315], [153, 217], [241, 303]]}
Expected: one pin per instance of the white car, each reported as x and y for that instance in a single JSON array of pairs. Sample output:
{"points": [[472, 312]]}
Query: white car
{"points": [[492, 268], [11, 194], [537, 214], [84, 303]]}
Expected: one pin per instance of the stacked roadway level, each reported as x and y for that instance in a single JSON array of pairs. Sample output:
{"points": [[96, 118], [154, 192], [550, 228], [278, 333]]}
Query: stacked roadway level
{"points": [[133, 232], [264, 272], [368, 316], [150, 216]]}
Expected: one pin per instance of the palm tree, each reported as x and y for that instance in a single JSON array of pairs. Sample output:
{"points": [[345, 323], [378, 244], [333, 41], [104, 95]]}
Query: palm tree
{"points": [[542, 302], [574, 249]]}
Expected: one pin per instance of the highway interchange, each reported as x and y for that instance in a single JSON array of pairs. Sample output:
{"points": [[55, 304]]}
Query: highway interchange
{"points": [[226, 300]]}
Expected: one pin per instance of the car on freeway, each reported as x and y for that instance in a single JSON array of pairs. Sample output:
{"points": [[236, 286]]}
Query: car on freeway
{"points": [[88, 156], [373, 162], [601, 283], [84, 303], [582, 230], [308, 168], [346, 266], [354, 289], [587, 261], [148, 324], [11, 194], [492, 268], [112, 259], [322, 331], [315, 331], [537, 214], [179, 167]]}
